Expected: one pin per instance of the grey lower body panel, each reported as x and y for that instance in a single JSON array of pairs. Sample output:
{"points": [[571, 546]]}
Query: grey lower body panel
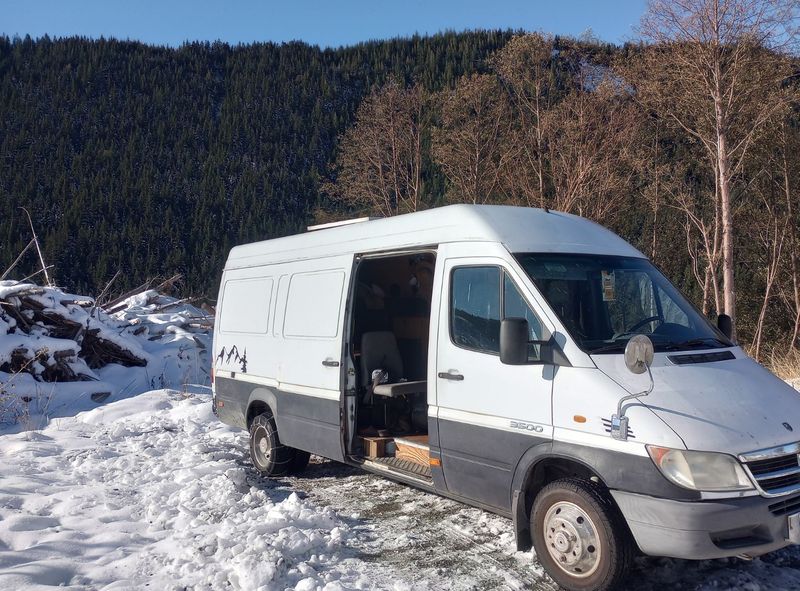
{"points": [[479, 462], [309, 423], [703, 529], [304, 422]]}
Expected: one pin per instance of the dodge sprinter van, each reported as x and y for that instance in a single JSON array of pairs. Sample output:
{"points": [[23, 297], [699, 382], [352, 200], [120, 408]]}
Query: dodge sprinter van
{"points": [[524, 361]]}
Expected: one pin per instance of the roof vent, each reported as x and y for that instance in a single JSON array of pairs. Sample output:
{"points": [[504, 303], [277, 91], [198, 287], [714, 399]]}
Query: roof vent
{"points": [[341, 223]]}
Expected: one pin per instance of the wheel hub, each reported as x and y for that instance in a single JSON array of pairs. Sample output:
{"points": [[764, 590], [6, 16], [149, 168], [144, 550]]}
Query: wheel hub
{"points": [[572, 539], [261, 449]]}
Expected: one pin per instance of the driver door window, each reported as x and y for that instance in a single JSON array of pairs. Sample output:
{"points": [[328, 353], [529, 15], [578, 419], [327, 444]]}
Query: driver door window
{"points": [[475, 308], [477, 296]]}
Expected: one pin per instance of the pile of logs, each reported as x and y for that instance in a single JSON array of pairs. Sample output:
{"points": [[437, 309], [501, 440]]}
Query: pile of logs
{"points": [[57, 337]]}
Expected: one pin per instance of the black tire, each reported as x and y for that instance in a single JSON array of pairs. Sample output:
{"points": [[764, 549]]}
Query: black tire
{"points": [[299, 462], [580, 554], [268, 454]]}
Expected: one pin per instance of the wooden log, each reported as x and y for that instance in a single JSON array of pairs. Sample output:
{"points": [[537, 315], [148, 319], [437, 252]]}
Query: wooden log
{"points": [[169, 284], [22, 322], [116, 302], [81, 303], [99, 352], [168, 305], [16, 260]]}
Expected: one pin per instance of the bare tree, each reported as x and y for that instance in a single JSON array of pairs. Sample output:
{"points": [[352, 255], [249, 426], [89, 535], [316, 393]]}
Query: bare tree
{"points": [[379, 161], [590, 139], [716, 72], [471, 143], [784, 161], [771, 235], [524, 65], [702, 230]]}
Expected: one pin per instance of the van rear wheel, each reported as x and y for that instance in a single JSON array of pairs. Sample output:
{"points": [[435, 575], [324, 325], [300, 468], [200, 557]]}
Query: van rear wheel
{"points": [[579, 536], [269, 455]]}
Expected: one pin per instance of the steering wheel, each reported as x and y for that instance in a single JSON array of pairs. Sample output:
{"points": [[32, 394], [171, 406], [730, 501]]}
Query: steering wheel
{"points": [[641, 323], [632, 330]]}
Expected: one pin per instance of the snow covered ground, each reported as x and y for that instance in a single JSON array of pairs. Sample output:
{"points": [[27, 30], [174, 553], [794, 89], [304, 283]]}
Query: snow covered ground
{"points": [[151, 492]]}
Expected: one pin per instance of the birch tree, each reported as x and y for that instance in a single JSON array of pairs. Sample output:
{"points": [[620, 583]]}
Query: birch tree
{"points": [[715, 71], [471, 143], [379, 162], [525, 65]]}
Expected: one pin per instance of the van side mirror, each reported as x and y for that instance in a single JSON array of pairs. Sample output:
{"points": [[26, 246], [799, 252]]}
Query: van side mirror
{"points": [[725, 325], [514, 341]]}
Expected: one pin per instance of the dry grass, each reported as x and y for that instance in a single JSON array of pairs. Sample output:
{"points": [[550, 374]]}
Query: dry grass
{"points": [[784, 363]]}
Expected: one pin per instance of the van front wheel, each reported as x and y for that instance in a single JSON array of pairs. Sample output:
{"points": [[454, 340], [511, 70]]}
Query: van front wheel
{"points": [[579, 537], [269, 455]]}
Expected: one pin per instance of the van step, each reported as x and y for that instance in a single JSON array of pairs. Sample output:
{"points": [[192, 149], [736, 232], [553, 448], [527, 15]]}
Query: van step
{"points": [[404, 466], [414, 448]]}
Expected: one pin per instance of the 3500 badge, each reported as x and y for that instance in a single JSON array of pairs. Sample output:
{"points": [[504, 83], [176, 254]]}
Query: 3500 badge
{"points": [[527, 426]]}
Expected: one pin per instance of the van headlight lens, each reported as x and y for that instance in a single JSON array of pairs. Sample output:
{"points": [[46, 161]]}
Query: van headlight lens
{"points": [[699, 470]]}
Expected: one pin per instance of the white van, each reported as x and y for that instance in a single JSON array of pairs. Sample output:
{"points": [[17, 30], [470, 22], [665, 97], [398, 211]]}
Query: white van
{"points": [[525, 361]]}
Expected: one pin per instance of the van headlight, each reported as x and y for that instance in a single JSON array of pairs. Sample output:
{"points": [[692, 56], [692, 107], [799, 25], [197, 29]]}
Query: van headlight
{"points": [[700, 470]]}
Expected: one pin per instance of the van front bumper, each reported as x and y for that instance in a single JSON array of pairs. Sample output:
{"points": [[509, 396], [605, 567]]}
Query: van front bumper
{"points": [[710, 529]]}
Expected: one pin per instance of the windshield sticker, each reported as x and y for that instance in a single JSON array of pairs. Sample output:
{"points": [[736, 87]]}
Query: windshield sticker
{"points": [[609, 295]]}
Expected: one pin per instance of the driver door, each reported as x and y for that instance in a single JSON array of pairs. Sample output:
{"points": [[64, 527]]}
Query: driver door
{"points": [[488, 413]]}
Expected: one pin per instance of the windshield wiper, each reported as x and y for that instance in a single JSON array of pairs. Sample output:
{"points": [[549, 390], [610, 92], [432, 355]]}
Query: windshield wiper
{"points": [[617, 346], [695, 343]]}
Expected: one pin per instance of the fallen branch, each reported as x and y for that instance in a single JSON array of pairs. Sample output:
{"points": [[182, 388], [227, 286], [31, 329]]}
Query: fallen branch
{"points": [[16, 260], [38, 250]]}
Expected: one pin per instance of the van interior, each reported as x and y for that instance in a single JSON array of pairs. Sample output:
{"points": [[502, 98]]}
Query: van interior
{"points": [[388, 349]]}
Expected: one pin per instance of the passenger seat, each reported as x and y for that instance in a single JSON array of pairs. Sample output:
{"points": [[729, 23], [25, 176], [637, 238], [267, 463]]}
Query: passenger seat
{"points": [[379, 351]]}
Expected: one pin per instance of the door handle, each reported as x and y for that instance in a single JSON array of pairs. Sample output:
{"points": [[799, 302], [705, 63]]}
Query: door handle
{"points": [[329, 363], [456, 377]]}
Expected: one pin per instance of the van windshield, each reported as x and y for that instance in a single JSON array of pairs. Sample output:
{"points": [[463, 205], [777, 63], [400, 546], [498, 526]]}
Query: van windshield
{"points": [[604, 300]]}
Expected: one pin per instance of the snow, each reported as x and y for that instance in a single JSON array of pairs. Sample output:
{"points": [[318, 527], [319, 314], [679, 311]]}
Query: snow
{"points": [[158, 329], [153, 492]]}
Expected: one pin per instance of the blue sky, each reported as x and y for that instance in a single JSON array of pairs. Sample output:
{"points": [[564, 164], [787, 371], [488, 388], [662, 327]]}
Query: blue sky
{"points": [[326, 23]]}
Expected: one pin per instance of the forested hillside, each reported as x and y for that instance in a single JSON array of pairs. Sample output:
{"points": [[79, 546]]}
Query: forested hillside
{"points": [[154, 160]]}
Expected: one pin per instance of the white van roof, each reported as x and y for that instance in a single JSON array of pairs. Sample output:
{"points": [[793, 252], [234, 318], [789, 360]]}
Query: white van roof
{"points": [[520, 229]]}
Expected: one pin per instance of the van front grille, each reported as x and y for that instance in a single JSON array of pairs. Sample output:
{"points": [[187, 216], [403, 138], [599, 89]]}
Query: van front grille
{"points": [[775, 471], [786, 507]]}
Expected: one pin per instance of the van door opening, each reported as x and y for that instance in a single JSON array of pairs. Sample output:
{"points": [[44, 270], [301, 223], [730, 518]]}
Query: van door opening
{"points": [[387, 406]]}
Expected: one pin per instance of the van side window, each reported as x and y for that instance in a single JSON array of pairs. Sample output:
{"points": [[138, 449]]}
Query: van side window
{"points": [[475, 308], [247, 305], [309, 314], [479, 298]]}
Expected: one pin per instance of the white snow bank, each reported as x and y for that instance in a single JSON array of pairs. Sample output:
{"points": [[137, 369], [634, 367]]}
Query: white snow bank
{"points": [[47, 335], [150, 491]]}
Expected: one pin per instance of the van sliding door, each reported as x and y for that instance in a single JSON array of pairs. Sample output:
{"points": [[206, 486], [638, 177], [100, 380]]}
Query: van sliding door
{"points": [[311, 330]]}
